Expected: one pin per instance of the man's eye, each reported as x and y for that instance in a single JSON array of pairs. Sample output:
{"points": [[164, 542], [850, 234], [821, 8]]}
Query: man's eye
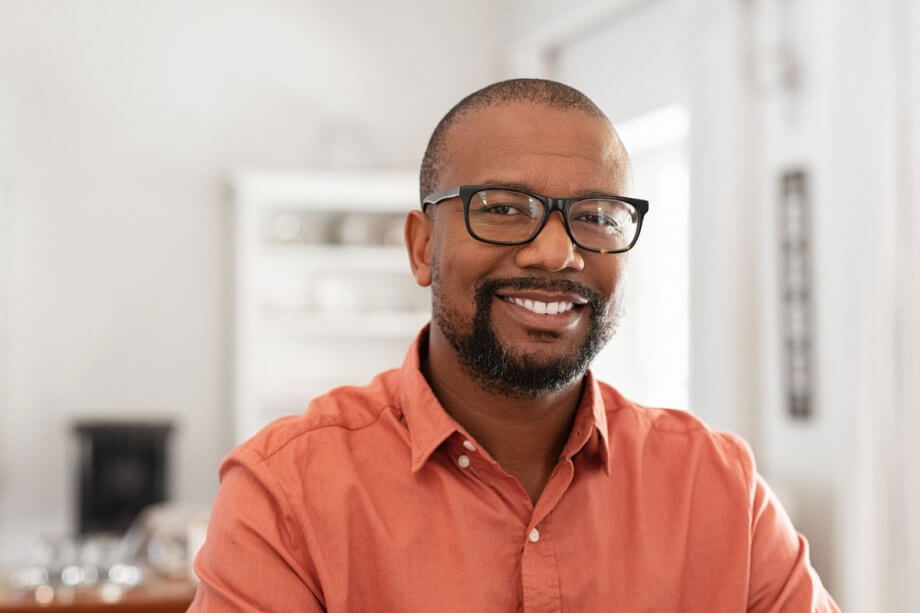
{"points": [[503, 209], [597, 219]]}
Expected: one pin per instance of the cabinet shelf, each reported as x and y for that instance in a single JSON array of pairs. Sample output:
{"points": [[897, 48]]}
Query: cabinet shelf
{"points": [[370, 325], [338, 257]]}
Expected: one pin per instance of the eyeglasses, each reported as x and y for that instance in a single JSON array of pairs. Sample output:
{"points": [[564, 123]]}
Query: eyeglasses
{"points": [[509, 216]]}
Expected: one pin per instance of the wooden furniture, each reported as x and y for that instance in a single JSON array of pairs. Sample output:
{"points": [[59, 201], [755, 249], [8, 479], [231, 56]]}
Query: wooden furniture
{"points": [[153, 597]]}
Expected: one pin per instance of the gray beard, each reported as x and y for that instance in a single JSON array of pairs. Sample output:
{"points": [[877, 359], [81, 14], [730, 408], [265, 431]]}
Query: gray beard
{"points": [[505, 372]]}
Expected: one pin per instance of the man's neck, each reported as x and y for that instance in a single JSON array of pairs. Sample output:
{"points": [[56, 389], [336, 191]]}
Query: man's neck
{"points": [[524, 434]]}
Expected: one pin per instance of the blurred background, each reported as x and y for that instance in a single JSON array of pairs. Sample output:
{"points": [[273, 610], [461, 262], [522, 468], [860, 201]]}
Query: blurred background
{"points": [[201, 208]]}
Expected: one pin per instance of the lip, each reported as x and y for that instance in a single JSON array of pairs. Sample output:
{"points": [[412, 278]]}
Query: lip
{"points": [[556, 322]]}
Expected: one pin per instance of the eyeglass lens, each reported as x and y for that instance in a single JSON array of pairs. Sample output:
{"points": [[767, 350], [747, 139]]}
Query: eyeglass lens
{"points": [[508, 216]]}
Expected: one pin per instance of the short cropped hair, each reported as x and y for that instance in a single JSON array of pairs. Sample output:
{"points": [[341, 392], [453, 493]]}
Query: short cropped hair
{"points": [[551, 94]]}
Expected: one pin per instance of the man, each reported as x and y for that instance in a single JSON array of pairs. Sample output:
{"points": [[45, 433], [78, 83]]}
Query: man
{"points": [[493, 472]]}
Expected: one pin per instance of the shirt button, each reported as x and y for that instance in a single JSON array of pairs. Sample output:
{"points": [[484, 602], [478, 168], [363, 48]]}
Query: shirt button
{"points": [[463, 461], [469, 445], [534, 536]]}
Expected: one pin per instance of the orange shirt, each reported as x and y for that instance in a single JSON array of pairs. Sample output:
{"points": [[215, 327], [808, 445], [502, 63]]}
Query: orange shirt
{"points": [[377, 500]]}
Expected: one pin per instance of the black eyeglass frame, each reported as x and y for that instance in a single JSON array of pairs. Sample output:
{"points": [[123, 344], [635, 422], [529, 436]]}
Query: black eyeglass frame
{"points": [[550, 204]]}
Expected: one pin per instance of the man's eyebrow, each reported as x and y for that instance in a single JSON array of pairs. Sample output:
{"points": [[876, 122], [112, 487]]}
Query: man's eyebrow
{"points": [[512, 184], [527, 188]]}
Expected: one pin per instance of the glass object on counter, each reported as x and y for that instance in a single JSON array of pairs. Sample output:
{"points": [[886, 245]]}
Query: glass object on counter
{"points": [[60, 565], [159, 546]]}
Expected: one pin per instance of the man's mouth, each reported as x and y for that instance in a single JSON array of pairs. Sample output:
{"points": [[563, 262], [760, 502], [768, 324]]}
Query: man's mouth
{"points": [[540, 307], [555, 306]]}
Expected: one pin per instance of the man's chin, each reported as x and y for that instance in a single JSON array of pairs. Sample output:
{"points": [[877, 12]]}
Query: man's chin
{"points": [[545, 360]]}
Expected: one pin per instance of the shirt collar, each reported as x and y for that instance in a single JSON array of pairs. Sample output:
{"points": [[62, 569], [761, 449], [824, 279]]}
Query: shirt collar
{"points": [[430, 425], [590, 425]]}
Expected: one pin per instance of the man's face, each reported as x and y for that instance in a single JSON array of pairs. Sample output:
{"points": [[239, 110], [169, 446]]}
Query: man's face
{"points": [[487, 298]]}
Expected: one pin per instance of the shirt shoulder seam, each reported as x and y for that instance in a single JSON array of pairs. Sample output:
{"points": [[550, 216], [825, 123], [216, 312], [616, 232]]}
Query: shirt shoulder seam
{"points": [[641, 412], [288, 514], [695, 426], [741, 457], [319, 426]]}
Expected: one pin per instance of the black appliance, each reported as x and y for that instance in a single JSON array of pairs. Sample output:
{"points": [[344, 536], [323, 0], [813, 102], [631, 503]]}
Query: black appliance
{"points": [[121, 470]]}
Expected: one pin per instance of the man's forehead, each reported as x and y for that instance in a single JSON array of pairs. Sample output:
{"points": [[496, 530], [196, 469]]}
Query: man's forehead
{"points": [[533, 145]]}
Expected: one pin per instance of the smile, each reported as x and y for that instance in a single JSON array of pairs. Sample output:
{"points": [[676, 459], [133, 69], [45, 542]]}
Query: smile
{"points": [[541, 308]]}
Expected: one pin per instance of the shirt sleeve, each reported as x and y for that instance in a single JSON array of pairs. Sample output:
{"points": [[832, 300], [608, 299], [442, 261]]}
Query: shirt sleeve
{"points": [[782, 578], [252, 559]]}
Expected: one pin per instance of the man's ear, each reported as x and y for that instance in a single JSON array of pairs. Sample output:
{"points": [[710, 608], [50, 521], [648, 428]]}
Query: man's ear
{"points": [[418, 243]]}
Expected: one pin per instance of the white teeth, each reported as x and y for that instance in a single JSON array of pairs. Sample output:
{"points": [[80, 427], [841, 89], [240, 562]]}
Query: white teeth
{"points": [[542, 308]]}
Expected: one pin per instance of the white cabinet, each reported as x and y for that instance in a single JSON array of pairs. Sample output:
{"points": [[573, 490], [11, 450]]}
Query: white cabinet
{"points": [[323, 291]]}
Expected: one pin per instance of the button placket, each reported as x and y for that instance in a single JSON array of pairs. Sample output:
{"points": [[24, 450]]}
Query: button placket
{"points": [[539, 572]]}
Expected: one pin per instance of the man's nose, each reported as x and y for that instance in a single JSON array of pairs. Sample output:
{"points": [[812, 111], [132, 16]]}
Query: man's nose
{"points": [[552, 249]]}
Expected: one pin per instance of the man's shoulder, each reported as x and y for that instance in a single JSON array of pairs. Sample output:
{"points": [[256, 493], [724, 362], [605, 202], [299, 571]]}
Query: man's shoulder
{"points": [[680, 432], [646, 418], [334, 414]]}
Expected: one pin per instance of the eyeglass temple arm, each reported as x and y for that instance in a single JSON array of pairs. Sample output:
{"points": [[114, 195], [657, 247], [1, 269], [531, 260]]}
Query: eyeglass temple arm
{"points": [[440, 196]]}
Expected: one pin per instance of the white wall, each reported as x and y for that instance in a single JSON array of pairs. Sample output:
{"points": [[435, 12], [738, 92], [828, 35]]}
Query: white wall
{"points": [[628, 59], [5, 249], [724, 301], [878, 164], [909, 301], [121, 122]]}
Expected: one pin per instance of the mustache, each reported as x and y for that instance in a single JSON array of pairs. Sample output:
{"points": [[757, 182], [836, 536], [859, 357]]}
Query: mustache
{"points": [[488, 287]]}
